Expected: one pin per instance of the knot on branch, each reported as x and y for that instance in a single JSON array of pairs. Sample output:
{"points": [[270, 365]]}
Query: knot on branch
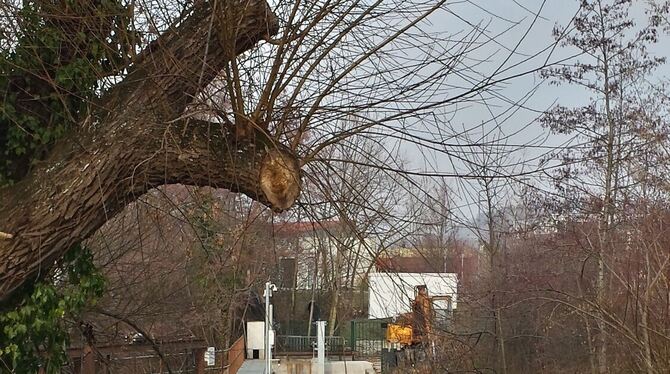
{"points": [[280, 179]]}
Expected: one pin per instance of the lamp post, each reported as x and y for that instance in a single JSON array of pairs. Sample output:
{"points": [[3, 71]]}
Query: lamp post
{"points": [[269, 287]]}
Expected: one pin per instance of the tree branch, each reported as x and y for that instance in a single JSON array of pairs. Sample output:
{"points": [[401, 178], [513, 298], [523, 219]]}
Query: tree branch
{"points": [[136, 141], [144, 334]]}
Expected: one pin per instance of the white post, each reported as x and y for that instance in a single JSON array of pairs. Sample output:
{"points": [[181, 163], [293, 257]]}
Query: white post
{"points": [[271, 332], [269, 287], [321, 346]]}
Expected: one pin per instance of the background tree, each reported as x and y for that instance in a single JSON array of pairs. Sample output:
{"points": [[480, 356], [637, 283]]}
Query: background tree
{"points": [[616, 61]]}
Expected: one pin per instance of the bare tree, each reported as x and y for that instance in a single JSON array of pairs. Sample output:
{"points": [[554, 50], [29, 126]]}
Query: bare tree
{"points": [[616, 59], [317, 66], [363, 200]]}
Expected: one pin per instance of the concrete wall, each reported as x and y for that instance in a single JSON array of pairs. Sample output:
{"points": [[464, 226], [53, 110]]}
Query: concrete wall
{"points": [[332, 367]]}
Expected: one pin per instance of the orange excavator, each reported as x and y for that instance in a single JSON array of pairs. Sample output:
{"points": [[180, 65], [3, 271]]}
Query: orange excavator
{"points": [[414, 328], [412, 336]]}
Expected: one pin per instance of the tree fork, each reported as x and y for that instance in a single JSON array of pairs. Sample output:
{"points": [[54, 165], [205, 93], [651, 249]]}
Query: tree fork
{"points": [[136, 140]]}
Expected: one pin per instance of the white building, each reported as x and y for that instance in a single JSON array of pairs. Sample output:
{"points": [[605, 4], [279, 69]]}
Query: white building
{"points": [[312, 254], [391, 294]]}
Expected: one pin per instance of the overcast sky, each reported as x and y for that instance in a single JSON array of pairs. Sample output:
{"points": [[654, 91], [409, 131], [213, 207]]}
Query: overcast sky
{"points": [[526, 141]]}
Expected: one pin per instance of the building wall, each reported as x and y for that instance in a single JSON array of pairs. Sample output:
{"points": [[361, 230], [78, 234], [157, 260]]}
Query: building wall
{"points": [[390, 294], [345, 257]]}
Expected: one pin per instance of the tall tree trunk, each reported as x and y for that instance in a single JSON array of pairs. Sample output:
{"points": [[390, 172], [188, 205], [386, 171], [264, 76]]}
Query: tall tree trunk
{"points": [[605, 223], [501, 343], [335, 294], [644, 314], [493, 252]]}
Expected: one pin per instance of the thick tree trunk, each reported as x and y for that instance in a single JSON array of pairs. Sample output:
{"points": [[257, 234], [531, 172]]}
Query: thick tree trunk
{"points": [[138, 140]]}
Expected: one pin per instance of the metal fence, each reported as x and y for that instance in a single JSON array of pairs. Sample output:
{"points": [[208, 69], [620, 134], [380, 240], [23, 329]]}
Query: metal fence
{"points": [[184, 356], [142, 363], [307, 344], [361, 339], [365, 337]]}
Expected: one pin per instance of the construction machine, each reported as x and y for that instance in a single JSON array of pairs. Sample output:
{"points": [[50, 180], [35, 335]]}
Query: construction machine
{"points": [[411, 335], [413, 328]]}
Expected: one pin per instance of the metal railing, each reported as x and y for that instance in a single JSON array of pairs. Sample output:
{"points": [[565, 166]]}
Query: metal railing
{"points": [[307, 344]]}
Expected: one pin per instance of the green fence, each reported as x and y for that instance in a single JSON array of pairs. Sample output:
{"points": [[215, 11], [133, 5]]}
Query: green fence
{"points": [[360, 337], [365, 337], [295, 328]]}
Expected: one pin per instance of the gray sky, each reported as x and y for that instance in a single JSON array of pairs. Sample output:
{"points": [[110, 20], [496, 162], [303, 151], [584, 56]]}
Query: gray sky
{"points": [[508, 21]]}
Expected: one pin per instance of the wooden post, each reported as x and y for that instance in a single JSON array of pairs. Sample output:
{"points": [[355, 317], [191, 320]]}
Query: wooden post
{"points": [[88, 360], [199, 354]]}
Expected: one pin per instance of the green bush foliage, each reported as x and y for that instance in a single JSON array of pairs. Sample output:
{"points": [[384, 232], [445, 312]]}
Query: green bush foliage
{"points": [[51, 69], [34, 333]]}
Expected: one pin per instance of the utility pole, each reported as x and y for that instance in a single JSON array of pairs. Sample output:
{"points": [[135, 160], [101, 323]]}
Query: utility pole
{"points": [[269, 287]]}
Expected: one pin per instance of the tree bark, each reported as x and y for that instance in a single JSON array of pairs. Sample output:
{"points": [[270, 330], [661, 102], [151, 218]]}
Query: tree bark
{"points": [[138, 138]]}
